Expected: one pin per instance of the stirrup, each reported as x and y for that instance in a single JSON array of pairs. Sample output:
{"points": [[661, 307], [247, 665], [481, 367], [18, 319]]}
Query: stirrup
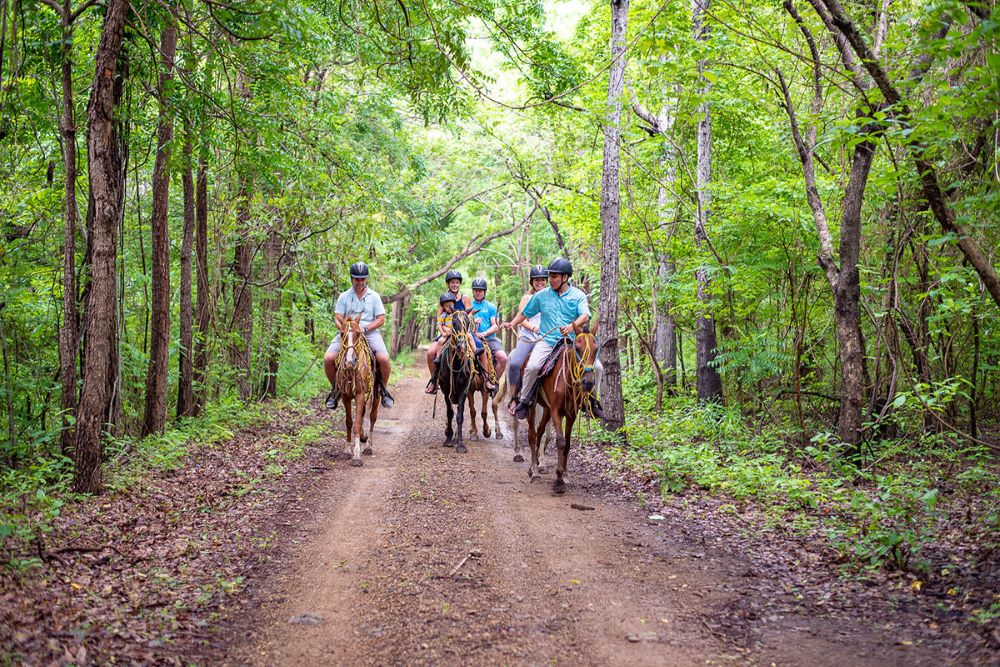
{"points": [[521, 411], [387, 400], [331, 400]]}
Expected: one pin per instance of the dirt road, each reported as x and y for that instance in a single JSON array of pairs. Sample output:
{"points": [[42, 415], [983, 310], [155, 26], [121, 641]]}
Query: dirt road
{"points": [[428, 557]]}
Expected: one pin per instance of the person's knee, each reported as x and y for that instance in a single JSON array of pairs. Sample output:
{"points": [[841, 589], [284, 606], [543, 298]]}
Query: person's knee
{"points": [[330, 359]]}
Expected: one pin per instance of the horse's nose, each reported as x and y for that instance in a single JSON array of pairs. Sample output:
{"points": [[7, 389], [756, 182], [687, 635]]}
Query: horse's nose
{"points": [[588, 382]]}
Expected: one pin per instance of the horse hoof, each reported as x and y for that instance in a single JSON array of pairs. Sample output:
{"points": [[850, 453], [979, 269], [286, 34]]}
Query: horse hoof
{"points": [[499, 435], [558, 488], [486, 433], [357, 463], [448, 443], [367, 451], [518, 458], [461, 449], [542, 470]]}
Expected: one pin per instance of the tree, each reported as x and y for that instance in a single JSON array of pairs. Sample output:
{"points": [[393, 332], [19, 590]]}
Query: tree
{"points": [[611, 384], [156, 377], [107, 191], [709, 382]]}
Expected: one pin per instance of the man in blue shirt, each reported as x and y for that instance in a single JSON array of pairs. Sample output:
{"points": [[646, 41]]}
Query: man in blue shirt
{"points": [[487, 320], [563, 308], [360, 299]]}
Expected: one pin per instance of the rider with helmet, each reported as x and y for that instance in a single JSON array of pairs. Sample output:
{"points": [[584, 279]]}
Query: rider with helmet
{"points": [[529, 332], [563, 309], [487, 323], [360, 299], [453, 279]]}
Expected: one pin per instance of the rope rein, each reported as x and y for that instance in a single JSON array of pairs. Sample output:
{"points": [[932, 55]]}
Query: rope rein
{"points": [[347, 382]]}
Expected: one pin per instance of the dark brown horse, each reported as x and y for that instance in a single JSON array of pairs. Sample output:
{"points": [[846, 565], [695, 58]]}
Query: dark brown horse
{"points": [[356, 382], [564, 392], [478, 386], [456, 366]]}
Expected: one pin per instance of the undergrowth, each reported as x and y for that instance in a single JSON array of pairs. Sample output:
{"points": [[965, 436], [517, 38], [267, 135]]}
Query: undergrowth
{"points": [[32, 497], [884, 510]]}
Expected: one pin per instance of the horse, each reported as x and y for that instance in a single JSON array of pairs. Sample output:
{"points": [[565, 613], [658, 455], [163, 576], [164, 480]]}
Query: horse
{"points": [[456, 368], [563, 393], [505, 394], [356, 382], [478, 386]]}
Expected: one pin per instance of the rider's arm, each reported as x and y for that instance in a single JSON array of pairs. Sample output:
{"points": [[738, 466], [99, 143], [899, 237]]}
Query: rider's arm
{"points": [[375, 324], [495, 326]]}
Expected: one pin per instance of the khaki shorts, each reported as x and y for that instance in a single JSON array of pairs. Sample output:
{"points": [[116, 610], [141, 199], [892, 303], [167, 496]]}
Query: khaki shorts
{"points": [[374, 339]]}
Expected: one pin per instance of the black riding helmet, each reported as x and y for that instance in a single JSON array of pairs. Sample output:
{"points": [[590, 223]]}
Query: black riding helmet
{"points": [[479, 283], [538, 271], [447, 296], [560, 265], [452, 274], [359, 270]]}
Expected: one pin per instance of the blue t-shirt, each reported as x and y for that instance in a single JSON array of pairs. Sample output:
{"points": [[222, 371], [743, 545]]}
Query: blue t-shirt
{"points": [[557, 310], [486, 311], [369, 305]]}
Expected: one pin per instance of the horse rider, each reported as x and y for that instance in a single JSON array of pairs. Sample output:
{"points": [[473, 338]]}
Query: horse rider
{"points": [[360, 299], [529, 333], [448, 305], [563, 309], [487, 321], [453, 279]]}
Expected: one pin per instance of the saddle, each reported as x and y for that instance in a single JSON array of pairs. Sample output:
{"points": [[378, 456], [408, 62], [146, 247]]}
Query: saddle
{"points": [[547, 367]]}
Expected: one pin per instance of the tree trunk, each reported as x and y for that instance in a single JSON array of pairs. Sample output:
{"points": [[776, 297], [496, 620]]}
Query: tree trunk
{"points": [[847, 296], [269, 314], [201, 262], [159, 342], [709, 384], [68, 335], [107, 189], [185, 380], [611, 385], [242, 298]]}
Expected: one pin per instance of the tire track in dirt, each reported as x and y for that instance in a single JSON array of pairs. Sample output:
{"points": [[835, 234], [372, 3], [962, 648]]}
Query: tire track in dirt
{"points": [[428, 557]]}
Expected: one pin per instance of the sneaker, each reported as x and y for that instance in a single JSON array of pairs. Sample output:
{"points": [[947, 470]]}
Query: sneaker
{"points": [[387, 400], [521, 412], [331, 400]]}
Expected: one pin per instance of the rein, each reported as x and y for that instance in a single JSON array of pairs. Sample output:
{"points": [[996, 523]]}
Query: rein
{"points": [[571, 374], [347, 381]]}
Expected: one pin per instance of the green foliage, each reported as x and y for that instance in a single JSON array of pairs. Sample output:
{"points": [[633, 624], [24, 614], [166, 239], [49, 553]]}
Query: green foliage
{"points": [[878, 514]]}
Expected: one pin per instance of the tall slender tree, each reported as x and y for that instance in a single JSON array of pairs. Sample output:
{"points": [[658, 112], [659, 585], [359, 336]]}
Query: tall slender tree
{"points": [[159, 341], [185, 371], [107, 190], [709, 383], [611, 385]]}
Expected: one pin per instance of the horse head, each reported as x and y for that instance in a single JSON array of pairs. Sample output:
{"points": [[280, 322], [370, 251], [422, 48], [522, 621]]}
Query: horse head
{"points": [[460, 326], [585, 346], [350, 333]]}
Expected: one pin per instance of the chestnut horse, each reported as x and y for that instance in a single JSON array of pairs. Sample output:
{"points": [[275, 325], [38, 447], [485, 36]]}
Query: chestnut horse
{"points": [[564, 392], [356, 382], [478, 386], [456, 366]]}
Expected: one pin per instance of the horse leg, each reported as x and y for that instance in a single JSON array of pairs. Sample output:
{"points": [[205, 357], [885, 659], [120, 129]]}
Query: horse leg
{"points": [[359, 426], [533, 440], [512, 422], [486, 402], [372, 416], [460, 418], [562, 447], [348, 417], [473, 427], [448, 432], [495, 405]]}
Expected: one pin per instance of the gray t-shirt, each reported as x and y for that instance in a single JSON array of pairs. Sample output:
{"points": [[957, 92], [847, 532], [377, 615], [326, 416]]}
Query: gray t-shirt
{"points": [[369, 305]]}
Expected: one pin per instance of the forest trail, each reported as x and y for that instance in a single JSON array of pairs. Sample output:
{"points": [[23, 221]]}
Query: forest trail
{"points": [[381, 573]]}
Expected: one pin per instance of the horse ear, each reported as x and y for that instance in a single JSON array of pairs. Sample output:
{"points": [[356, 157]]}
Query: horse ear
{"points": [[474, 312], [597, 325], [357, 317]]}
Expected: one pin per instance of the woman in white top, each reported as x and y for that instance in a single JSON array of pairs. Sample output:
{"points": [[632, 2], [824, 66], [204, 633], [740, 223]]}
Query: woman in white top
{"points": [[528, 333]]}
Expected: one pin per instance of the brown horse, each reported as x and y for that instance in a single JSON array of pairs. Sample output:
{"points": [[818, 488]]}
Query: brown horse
{"points": [[564, 392], [356, 382], [478, 386]]}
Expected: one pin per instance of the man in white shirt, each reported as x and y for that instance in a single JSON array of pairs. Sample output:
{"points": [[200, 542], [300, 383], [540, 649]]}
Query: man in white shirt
{"points": [[360, 299]]}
